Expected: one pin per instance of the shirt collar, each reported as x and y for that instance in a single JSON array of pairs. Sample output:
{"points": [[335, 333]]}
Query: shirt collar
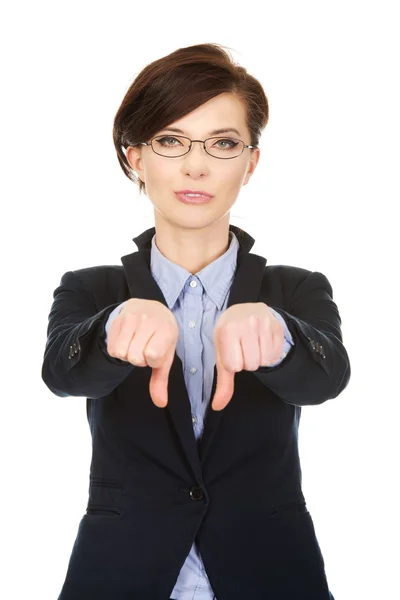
{"points": [[216, 277]]}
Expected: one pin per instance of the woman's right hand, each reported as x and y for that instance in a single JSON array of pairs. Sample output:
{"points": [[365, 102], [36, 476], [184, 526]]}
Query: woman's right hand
{"points": [[145, 333]]}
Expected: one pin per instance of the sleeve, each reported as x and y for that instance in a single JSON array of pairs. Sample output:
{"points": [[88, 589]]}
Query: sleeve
{"points": [[111, 318], [317, 368], [76, 361]]}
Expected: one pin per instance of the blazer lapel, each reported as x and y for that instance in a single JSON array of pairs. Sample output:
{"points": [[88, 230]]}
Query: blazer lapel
{"points": [[245, 287]]}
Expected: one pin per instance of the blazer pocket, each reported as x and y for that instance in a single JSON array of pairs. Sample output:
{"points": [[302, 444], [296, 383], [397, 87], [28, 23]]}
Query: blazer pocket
{"points": [[104, 498], [287, 509]]}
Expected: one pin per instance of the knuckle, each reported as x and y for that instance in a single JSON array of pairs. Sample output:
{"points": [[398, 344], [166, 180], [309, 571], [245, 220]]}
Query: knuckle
{"points": [[252, 321], [136, 360], [128, 315], [151, 353], [112, 351]]}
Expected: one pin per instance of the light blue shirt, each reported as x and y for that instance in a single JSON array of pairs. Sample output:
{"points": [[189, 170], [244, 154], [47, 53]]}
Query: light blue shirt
{"points": [[197, 302]]}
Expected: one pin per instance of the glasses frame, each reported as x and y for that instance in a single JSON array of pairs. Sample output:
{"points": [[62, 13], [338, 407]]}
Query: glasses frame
{"points": [[150, 143]]}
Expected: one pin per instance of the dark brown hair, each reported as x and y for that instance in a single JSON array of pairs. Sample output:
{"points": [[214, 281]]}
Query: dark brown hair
{"points": [[173, 86]]}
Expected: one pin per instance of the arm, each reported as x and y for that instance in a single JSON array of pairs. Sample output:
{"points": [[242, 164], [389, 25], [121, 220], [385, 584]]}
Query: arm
{"points": [[76, 361], [317, 367]]}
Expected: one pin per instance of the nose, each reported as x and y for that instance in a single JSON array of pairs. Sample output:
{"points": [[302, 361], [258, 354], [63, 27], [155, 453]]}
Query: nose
{"points": [[195, 161], [200, 145]]}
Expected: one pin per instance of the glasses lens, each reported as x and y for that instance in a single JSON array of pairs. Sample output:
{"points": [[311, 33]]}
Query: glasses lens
{"points": [[167, 145], [173, 146], [224, 147]]}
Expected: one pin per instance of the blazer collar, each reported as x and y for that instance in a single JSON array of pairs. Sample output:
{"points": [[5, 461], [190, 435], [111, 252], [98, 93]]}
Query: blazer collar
{"points": [[246, 241]]}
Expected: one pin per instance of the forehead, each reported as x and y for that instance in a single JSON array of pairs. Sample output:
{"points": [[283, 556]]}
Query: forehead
{"points": [[222, 114]]}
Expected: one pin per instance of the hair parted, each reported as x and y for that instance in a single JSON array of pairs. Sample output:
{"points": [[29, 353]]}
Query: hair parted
{"points": [[173, 86]]}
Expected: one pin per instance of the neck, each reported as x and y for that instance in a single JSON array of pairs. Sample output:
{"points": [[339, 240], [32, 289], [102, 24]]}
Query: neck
{"points": [[193, 249]]}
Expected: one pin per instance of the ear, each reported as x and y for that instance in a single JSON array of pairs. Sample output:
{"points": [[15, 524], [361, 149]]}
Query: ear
{"points": [[134, 158], [255, 157]]}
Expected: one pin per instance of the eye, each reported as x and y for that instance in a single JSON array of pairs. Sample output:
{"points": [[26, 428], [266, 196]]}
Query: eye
{"points": [[162, 141], [231, 142]]}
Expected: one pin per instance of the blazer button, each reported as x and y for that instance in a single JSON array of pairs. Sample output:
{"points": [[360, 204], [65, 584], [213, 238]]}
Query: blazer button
{"points": [[74, 349], [196, 493]]}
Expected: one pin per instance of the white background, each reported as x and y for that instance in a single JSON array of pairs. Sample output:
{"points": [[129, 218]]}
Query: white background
{"points": [[324, 197]]}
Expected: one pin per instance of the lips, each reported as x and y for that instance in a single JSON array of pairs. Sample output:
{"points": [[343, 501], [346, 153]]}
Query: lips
{"points": [[202, 192], [203, 199]]}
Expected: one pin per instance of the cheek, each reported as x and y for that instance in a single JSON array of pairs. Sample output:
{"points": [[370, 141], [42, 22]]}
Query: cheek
{"points": [[160, 180], [232, 178], [158, 172]]}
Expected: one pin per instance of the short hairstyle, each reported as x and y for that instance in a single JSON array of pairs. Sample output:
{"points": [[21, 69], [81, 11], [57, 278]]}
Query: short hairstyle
{"points": [[173, 86]]}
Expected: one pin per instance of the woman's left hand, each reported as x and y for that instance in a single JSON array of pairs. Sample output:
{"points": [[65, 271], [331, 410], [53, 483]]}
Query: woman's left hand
{"points": [[247, 336]]}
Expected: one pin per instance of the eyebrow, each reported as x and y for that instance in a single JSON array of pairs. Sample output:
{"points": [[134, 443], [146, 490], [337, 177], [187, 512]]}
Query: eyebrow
{"points": [[214, 132]]}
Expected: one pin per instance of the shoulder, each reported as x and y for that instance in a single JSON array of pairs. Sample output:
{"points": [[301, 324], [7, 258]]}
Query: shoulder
{"points": [[286, 272], [103, 283], [294, 281], [99, 275], [292, 277], [285, 276]]}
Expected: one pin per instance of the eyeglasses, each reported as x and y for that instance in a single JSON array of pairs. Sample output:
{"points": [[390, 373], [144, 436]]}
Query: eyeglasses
{"points": [[172, 146]]}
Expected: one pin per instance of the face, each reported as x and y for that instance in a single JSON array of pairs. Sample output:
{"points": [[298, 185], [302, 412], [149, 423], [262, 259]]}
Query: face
{"points": [[197, 170]]}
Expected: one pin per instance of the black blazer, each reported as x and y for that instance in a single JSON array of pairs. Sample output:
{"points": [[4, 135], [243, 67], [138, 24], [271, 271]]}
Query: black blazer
{"points": [[153, 489]]}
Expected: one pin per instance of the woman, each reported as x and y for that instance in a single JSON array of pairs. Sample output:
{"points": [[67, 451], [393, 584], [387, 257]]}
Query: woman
{"points": [[195, 358]]}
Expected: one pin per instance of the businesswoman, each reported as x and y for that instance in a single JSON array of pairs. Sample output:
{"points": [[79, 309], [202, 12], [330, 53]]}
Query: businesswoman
{"points": [[195, 358]]}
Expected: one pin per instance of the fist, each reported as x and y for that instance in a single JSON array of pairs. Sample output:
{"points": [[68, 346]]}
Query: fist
{"points": [[247, 336], [145, 333]]}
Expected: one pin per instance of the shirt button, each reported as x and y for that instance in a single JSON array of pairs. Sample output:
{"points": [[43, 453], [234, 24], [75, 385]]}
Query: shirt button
{"points": [[193, 370], [194, 418], [193, 283], [192, 324]]}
